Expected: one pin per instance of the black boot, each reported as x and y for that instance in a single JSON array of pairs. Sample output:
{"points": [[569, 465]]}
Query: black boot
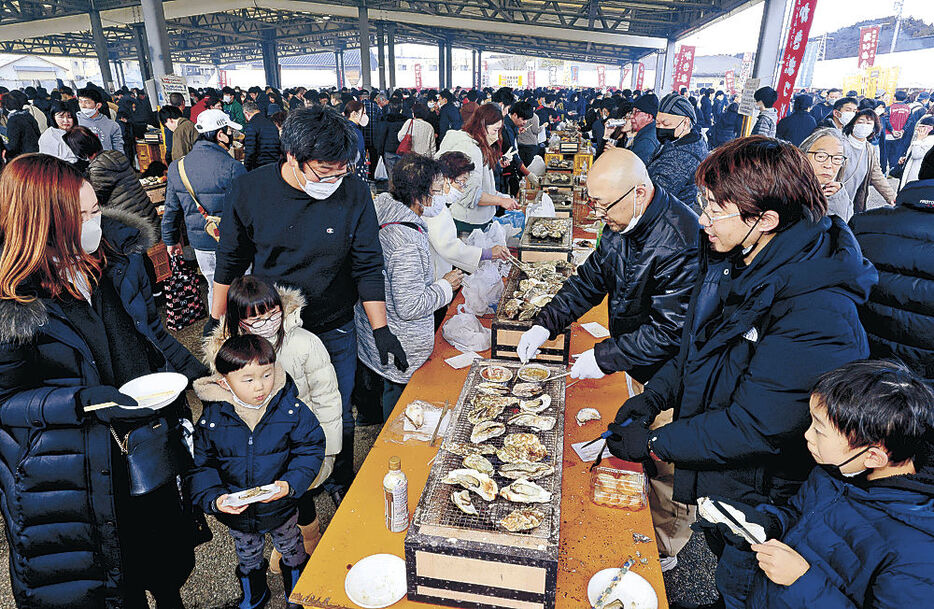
{"points": [[290, 577], [255, 588]]}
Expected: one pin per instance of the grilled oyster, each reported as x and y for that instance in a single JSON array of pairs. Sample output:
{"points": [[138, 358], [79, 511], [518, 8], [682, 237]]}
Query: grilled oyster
{"points": [[584, 415], [415, 414], [486, 430], [462, 500], [464, 450], [524, 519], [488, 407], [511, 308], [521, 448], [527, 311], [475, 481], [540, 300], [488, 388], [479, 463], [527, 390], [539, 404], [523, 491], [527, 471], [526, 419]]}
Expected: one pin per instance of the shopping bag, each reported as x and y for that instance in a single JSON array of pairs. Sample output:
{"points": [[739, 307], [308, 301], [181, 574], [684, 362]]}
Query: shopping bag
{"points": [[183, 303], [545, 208], [380, 174], [405, 145], [483, 288], [465, 332], [494, 235]]}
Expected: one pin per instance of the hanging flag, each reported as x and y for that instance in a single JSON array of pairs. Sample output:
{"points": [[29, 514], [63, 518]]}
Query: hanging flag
{"points": [[684, 68], [601, 77], [868, 44], [531, 79], [418, 76], [623, 73], [640, 76], [485, 79], [801, 17], [729, 82]]}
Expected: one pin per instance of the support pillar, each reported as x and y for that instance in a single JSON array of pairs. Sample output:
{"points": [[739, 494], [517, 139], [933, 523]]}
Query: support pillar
{"points": [[442, 69], [479, 69], [271, 59], [391, 43], [157, 35], [100, 47], [449, 65], [473, 69], [665, 70], [634, 76], [381, 54], [139, 38], [771, 36], [364, 27], [339, 64]]}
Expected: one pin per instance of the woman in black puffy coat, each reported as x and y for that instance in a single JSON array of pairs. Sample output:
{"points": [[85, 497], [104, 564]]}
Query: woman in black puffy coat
{"points": [[70, 334]]}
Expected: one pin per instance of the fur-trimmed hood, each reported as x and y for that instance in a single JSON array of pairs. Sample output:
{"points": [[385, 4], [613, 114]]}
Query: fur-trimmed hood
{"points": [[128, 233], [292, 304], [209, 388]]}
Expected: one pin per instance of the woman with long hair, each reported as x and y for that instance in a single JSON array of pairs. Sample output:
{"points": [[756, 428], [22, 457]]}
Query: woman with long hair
{"points": [[77, 320], [480, 141], [355, 112]]}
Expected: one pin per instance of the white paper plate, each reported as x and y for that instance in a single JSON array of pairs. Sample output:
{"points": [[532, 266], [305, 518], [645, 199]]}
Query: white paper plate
{"points": [[160, 383], [633, 590], [237, 499], [376, 581]]}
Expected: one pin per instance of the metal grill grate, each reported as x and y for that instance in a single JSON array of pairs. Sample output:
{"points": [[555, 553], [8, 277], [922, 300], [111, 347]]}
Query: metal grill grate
{"points": [[441, 511], [565, 241]]}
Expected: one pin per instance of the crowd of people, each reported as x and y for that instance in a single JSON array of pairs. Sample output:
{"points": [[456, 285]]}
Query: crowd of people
{"points": [[781, 328]]}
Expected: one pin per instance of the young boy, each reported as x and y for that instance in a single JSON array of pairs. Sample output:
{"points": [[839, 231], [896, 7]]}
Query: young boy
{"points": [[254, 431], [860, 531]]}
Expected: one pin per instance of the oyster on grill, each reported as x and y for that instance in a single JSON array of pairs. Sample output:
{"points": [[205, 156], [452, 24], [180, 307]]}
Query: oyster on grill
{"points": [[527, 390], [528, 471], [486, 430], [511, 308], [462, 500], [479, 463], [539, 404], [584, 415], [526, 419], [521, 448], [523, 491], [488, 388], [475, 481], [464, 450], [524, 519], [488, 407]]}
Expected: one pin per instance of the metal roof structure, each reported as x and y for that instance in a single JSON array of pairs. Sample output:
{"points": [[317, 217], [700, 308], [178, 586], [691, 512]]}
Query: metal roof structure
{"points": [[227, 31]]}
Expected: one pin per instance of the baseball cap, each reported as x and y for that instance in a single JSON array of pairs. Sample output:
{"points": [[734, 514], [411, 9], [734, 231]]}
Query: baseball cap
{"points": [[212, 120], [647, 103], [677, 105]]}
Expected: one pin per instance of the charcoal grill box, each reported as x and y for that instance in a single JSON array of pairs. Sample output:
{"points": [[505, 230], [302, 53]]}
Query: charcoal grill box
{"points": [[540, 250], [507, 332], [563, 198], [460, 560]]}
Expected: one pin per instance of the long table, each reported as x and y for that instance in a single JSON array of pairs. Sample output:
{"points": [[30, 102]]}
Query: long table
{"points": [[592, 537]]}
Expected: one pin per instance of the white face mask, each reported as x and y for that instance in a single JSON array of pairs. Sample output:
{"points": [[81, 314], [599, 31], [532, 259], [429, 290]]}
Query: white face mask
{"points": [[91, 234], [88, 112], [437, 206], [846, 117], [364, 120], [227, 99], [318, 190], [636, 216], [240, 402], [863, 130]]}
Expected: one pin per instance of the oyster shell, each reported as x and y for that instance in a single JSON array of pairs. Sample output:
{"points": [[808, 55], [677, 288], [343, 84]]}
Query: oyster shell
{"points": [[521, 448], [488, 388], [524, 491], [463, 450], [511, 308], [486, 430], [528, 471], [462, 500], [415, 414], [524, 519], [479, 463], [475, 481], [527, 390], [586, 414], [526, 419], [539, 404], [488, 407], [540, 301]]}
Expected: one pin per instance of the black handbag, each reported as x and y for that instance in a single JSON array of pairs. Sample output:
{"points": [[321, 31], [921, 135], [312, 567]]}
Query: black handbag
{"points": [[155, 455]]}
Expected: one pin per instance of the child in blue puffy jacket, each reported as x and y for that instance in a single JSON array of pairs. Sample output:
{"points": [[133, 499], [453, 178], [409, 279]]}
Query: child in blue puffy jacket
{"points": [[254, 431]]}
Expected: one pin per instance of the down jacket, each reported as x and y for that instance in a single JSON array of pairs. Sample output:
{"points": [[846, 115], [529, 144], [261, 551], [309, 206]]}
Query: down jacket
{"points": [[287, 444], [412, 294], [57, 493], [648, 275], [117, 185], [899, 241], [674, 165], [260, 142], [868, 543], [742, 379], [305, 359]]}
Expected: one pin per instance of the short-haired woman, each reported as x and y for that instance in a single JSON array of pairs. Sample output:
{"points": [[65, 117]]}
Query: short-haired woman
{"points": [[825, 150], [64, 119], [863, 170], [419, 126], [480, 141], [77, 320], [774, 307]]}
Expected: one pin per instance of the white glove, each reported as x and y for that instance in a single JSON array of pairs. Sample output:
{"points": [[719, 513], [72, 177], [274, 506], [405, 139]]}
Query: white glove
{"points": [[586, 366], [533, 180], [531, 340]]}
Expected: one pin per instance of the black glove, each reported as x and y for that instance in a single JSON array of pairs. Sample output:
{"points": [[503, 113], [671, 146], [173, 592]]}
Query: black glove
{"points": [[209, 326], [101, 394], [642, 407], [629, 442], [386, 343]]}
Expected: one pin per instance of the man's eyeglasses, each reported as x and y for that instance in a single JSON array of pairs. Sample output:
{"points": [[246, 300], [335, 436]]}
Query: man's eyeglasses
{"points": [[332, 178], [704, 204], [821, 157], [462, 181], [602, 211]]}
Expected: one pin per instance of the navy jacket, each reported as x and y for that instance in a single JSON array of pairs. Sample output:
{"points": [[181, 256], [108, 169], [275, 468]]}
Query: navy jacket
{"points": [[645, 143], [899, 241], [821, 112], [449, 118], [55, 463], [287, 444], [868, 543], [260, 143], [705, 118], [727, 128], [795, 127], [755, 341], [673, 166]]}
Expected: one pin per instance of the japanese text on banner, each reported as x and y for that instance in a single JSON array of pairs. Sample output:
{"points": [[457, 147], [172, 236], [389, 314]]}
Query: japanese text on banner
{"points": [[801, 18], [640, 76], [868, 45], [684, 68]]}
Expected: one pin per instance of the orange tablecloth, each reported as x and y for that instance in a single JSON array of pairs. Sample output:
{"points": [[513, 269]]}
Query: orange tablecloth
{"points": [[592, 537]]}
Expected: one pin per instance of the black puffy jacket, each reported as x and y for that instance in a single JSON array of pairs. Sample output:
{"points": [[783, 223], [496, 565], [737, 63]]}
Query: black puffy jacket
{"points": [[899, 317], [117, 185], [261, 142], [55, 464], [648, 275], [386, 133]]}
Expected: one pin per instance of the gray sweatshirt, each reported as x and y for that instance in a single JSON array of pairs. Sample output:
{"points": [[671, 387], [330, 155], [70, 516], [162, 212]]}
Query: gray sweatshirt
{"points": [[108, 131]]}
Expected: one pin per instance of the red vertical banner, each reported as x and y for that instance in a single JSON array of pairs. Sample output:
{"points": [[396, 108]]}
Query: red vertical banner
{"points": [[623, 73], [418, 76], [531, 79], [640, 76], [868, 44], [485, 77], [801, 18], [729, 82], [684, 68], [601, 77], [222, 76], [747, 68]]}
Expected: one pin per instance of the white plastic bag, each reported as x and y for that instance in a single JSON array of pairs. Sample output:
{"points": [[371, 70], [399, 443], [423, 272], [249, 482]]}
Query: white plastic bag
{"points": [[465, 332], [380, 173], [537, 166], [483, 288], [545, 208], [495, 234]]}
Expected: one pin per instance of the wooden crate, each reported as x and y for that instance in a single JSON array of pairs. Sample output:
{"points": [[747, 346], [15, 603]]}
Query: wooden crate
{"points": [[507, 332], [582, 163], [468, 561], [159, 256], [156, 194], [536, 250]]}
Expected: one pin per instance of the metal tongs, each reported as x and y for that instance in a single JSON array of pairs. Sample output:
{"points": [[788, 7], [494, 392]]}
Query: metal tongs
{"points": [[522, 266]]}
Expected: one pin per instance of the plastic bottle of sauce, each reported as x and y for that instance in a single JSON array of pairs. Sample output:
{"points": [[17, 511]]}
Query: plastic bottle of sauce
{"points": [[396, 497]]}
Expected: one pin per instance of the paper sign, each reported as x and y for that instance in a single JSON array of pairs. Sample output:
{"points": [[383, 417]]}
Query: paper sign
{"points": [[595, 329], [461, 361], [747, 106], [170, 83], [590, 453]]}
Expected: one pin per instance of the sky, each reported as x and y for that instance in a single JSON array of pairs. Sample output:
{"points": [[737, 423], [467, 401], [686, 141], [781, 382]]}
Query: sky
{"points": [[741, 32]]}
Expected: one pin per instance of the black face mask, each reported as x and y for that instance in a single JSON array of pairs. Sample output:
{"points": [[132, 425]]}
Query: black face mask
{"points": [[665, 135]]}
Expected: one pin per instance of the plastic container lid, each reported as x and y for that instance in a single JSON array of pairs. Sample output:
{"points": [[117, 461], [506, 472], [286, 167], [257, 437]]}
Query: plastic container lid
{"points": [[395, 463]]}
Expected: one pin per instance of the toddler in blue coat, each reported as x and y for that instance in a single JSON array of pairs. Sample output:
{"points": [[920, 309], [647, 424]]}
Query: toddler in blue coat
{"points": [[254, 431], [860, 531]]}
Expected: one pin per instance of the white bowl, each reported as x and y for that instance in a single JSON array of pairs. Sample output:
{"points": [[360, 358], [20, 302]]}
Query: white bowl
{"points": [[163, 386], [376, 581], [633, 590]]}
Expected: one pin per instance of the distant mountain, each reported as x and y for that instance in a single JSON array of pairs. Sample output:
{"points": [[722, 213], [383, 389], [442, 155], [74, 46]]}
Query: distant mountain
{"points": [[913, 34]]}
